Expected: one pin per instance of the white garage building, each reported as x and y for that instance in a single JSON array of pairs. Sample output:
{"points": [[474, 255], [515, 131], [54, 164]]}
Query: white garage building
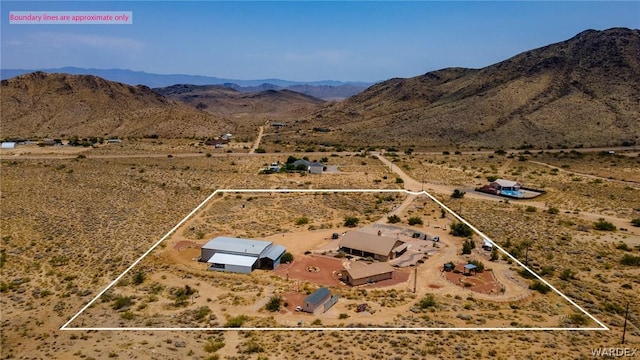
{"points": [[241, 255]]}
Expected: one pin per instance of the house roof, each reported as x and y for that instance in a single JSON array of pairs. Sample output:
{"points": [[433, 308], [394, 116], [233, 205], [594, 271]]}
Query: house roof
{"points": [[470, 266], [487, 243], [301, 161], [506, 183], [316, 164], [230, 259], [237, 245], [380, 245], [274, 252], [318, 296], [369, 270]]}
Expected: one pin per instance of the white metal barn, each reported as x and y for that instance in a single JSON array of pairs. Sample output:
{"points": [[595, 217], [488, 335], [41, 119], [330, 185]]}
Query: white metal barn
{"points": [[241, 255]]}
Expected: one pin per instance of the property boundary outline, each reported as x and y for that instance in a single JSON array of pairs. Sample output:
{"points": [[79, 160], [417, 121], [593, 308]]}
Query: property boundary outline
{"points": [[66, 327]]}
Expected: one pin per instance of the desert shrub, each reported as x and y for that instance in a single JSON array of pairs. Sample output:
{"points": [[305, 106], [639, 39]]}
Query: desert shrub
{"points": [[393, 219], [540, 287], [351, 221], [252, 347], [460, 229], [343, 316], [415, 220], [274, 303], [578, 319], [213, 345], [553, 211], [635, 222], [399, 180], [286, 258], [261, 151], [139, 277], [236, 321], [492, 178], [604, 225], [630, 260], [302, 220], [317, 322], [623, 246], [457, 194], [181, 295], [122, 302], [614, 308], [202, 312], [127, 315], [531, 209], [427, 302], [567, 274]]}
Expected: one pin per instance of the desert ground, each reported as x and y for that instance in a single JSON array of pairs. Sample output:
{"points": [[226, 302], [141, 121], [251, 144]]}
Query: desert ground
{"points": [[73, 221]]}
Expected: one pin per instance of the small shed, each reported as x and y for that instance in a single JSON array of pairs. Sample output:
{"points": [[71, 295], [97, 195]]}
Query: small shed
{"points": [[449, 266], [320, 301], [487, 245], [8, 145]]}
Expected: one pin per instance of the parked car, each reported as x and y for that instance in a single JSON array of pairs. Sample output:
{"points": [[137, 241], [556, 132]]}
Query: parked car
{"points": [[436, 238], [298, 308]]}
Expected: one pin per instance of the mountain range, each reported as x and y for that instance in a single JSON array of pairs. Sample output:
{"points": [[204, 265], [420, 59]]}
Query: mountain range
{"points": [[326, 89], [584, 91]]}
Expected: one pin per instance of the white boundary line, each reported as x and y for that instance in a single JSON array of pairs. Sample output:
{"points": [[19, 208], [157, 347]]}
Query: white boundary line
{"points": [[66, 325]]}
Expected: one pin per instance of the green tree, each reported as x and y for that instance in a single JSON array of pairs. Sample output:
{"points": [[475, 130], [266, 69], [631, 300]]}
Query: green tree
{"points": [[139, 277], [286, 258], [457, 194], [351, 221], [302, 220], [468, 245], [461, 230], [494, 254], [635, 222], [427, 302], [393, 219], [415, 220], [274, 303]]}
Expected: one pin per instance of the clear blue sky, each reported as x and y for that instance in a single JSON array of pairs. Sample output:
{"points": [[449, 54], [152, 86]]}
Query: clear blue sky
{"points": [[302, 40]]}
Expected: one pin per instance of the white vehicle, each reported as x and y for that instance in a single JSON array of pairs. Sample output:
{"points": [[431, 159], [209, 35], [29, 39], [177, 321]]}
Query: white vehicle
{"points": [[298, 308], [436, 238]]}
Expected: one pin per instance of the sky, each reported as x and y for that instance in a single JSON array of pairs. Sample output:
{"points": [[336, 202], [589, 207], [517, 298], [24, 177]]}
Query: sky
{"points": [[301, 40]]}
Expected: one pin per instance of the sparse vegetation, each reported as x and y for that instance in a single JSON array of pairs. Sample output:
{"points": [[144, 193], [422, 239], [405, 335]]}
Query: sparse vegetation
{"points": [[274, 303], [351, 221], [460, 229], [457, 194], [604, 225], [415, 220]]}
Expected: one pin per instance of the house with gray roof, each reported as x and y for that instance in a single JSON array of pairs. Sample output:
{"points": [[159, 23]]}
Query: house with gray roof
{"points": [[241, 255]]}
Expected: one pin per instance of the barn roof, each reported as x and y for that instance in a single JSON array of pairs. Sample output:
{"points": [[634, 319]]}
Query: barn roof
{"points": [[318, 296], [237, 245], [230, 259], [274, 252], [380, 245], [369, 270]]}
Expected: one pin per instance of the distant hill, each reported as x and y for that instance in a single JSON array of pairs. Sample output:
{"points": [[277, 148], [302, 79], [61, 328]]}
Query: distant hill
{"points": [[59, 105], [326, 89], [247, 109], [583, 91]]}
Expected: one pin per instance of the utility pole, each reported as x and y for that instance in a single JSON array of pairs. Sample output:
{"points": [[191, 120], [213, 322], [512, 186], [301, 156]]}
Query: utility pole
{"points": [[415, 279], [624, 329]]}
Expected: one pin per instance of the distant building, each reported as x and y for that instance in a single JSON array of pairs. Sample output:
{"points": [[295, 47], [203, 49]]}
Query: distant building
{"points": [[311, 167], [241, 255], [503, 187], [378, 247], [367, 274], [319, 302]]}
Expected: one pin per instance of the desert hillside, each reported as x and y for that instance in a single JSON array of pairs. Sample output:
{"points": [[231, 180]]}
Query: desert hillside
{"points": [[57, 105], [583, 91]]}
